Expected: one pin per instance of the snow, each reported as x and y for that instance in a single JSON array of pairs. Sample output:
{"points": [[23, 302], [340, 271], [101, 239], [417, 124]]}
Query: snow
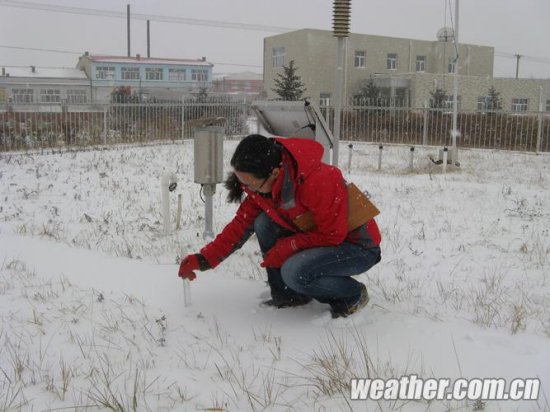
{"points": [[93, 314], [147, 60], [46, 72]]}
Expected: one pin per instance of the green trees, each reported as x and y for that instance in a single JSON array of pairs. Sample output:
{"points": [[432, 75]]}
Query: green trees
{"points": [[289, 85], [494, 101], [438, 98], [368, 94]]}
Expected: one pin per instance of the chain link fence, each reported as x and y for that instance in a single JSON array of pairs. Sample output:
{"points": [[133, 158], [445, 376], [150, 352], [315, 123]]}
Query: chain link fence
{"points": [[35, 126]]}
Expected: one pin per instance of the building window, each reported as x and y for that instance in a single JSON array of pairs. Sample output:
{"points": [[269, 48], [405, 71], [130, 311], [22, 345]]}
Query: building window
{"points": [[451, 65], [153, 74], [129, 73], [199, 75], [420, 63], [548, 106], [448, 102], [360, 59], [483, 103], [519, 105], [50, 96], [391, 61], [278, 57], [2, 95], [77, 96], [176, 74], [105, 73], [324, 99], [22, 95]]}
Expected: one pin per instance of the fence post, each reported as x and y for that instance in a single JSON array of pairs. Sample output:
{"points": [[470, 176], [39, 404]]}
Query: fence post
{"points": [[105, 109], [350, 147], [182, 118], [425, 125], [539, 123]]}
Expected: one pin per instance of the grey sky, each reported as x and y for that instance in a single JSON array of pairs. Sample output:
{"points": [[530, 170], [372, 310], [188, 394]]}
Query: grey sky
{"points": [[511, 26]]}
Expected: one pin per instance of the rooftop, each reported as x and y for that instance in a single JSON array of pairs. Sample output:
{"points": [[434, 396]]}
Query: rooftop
{"points": [[146, 60], [44, 72]]}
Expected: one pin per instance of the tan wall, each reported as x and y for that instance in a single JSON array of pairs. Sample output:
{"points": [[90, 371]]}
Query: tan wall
{"points": [[309, 57], [472, 87], [314, 53]]}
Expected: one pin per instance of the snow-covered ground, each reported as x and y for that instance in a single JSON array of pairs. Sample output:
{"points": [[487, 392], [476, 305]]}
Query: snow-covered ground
{"points": [[93, 315]]}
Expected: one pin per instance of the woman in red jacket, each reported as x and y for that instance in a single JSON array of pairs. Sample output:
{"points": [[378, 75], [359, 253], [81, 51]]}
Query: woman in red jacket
{"points": [[282, 179]]}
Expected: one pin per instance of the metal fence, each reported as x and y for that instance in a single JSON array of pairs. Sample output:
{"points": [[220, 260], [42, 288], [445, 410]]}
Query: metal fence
{"points": [[47, 126], [526, 131], [33, 126]]}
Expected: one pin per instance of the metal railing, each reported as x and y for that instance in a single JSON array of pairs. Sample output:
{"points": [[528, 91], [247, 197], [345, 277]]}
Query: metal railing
{"points": [[525, 131], [34, 126]]}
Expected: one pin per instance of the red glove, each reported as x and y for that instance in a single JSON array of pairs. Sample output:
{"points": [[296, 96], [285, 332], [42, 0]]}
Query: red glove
{"points": [[278, 254], [188, 266]]}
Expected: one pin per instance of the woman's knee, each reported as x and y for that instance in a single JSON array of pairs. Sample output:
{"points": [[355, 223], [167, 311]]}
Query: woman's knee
{"points": [[294, 274]]}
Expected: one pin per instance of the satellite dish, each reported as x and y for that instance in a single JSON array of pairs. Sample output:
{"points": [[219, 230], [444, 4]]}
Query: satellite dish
{"points": [[445, 34]]}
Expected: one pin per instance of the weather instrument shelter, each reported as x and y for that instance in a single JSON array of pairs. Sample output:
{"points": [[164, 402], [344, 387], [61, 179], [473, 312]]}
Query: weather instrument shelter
{"points": [[294, 119]]}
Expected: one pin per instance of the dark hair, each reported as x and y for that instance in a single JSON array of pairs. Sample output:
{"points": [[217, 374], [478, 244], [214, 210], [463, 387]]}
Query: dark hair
{"points": [[258, 155], [234, 188]]}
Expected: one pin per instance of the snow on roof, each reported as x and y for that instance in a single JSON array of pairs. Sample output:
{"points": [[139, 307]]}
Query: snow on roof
{"points": [[45, 72], [146, 60]]}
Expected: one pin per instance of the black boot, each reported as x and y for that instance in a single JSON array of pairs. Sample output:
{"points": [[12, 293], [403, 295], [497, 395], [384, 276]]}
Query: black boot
{"points": [[287, 302]]}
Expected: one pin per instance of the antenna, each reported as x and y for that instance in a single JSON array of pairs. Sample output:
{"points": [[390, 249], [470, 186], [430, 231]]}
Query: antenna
{"points": [[445, 34]]}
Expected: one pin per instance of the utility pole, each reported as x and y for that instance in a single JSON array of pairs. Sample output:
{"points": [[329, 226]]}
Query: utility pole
{"points": [[454, 132], [148, 39], [518, 56], [128, 27]]}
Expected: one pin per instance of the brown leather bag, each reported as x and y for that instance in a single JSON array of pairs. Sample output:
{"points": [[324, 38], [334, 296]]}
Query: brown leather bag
{"points": [[360, 211]]}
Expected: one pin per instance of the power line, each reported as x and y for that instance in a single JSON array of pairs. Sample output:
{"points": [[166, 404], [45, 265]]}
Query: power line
{"points": [[140, 16], [80, 53], [41, 50], [177, 20], [523, 56]]}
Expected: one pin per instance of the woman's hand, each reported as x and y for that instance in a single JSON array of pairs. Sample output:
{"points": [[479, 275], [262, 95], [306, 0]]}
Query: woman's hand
{"points": [[278, 254], [188, 267]]}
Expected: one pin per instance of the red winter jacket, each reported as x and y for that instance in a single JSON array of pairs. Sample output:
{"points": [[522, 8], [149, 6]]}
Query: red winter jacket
{"points": [[304, 184]]}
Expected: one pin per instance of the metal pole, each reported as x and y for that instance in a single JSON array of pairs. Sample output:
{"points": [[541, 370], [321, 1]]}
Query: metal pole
{"points": [[341, 23], [338, 97], [380, 148], [454, 132], [105, 125], [539, 123], [128, 27], [518, 56], [186, 293], [350, 146], [425, 126], [182, 118], [167, 184], [445, 157], [209, 191], [148, 39], [178, 214], [411, 159]]}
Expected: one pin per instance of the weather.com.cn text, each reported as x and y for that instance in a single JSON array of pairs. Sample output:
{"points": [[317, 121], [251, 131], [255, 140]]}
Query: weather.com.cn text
{"points": [[411, 387]]}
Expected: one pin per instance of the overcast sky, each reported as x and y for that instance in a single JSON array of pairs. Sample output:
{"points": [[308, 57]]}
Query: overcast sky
{"points": [[510, 26]]}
